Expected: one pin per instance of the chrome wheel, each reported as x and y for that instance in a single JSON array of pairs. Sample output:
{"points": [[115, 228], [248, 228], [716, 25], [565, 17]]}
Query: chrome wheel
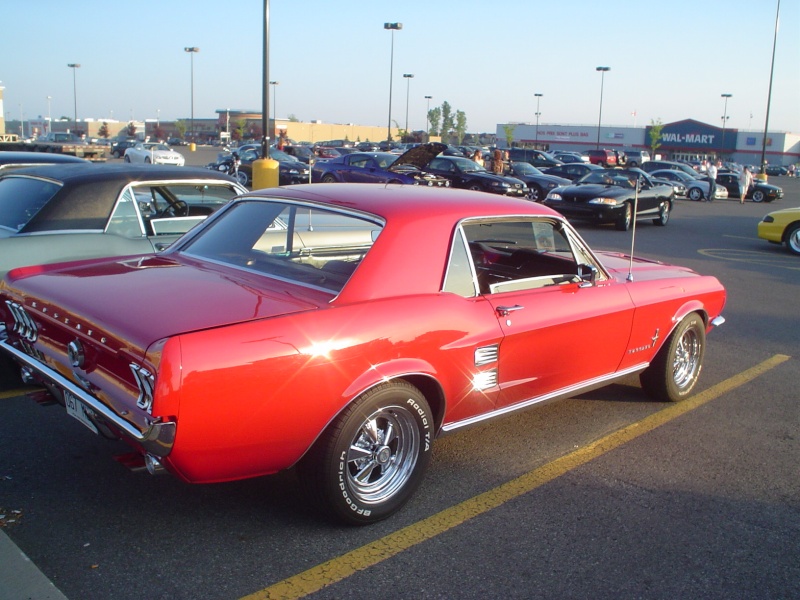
{"points": [[695, 194], [793, 239], [676, 368], [686, 363]]}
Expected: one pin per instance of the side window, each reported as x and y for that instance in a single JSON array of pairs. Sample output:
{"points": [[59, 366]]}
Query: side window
{"points": [[125, 219], [511, 255], [459, 278]]}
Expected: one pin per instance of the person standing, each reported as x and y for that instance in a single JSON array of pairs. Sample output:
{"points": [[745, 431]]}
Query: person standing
{"points": [[497, 161], [711, 176], [745, 181], [478, 157]]}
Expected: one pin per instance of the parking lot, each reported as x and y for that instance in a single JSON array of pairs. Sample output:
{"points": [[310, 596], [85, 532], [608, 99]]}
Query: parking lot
{"points": [[607, 495]]}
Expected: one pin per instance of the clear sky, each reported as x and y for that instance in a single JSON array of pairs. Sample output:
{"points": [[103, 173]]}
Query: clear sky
{"points": [[669, 60]]}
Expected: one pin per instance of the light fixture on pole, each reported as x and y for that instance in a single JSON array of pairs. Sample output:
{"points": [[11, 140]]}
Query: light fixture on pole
{"points": [[603, 71], [724, 119], [428, 118], [192, 50], [392, 27], [75, 67], [408, 77], [538, 114]]}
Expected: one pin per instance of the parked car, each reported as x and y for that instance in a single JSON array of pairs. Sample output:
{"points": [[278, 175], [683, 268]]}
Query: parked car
{"points": [[20, 160], [344, 349], [635, 158], [467, 174], [571, 157], [782, 227], [603, 158], [304, 154], [382, 167], [537, 158], [154, 153], [776, 170], [759, 191], [695, 189], [118, 147], [657, 165], [290, 170], [68, 212], [539, 184], [571, 171], [608, 195]]}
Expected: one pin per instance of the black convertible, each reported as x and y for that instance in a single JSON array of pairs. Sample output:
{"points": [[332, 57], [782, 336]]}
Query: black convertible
{"points": [[609, 195]]}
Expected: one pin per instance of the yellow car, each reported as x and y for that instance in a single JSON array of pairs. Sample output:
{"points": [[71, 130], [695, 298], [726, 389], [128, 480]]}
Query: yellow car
{"points": [[782, 227]]}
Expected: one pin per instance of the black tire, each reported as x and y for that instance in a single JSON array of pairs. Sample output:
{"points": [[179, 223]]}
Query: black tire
{"points": [[663, 214], [671, 377], [758, 196], [328, 178], [624, 221], [127, 158], [535, 193], [475, 187], [242, 177], [793, 238], [147, 161], [632, 164], [695, 194], [372, 458]]}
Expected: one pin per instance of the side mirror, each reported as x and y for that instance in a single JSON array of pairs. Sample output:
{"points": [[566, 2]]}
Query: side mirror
{"points": [[587, 275]]}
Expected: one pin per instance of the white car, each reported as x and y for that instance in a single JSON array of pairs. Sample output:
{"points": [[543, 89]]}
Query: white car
{"points": [[154, 153]]}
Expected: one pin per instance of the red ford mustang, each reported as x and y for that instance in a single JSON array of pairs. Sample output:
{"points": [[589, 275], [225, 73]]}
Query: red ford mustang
{"points": [[341, 328]]}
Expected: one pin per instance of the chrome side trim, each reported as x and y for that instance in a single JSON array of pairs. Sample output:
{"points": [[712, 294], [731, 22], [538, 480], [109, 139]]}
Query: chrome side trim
{"points": [[566, 392], [156, 439]]}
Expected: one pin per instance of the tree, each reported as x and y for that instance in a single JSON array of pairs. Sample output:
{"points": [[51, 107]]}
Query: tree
{"points": [[103, 131], [180, 127], [131, 129], [159, 133], [509, 131], [655, 135], [461, 126], [293, 118], [448, 122], [434, 118]]}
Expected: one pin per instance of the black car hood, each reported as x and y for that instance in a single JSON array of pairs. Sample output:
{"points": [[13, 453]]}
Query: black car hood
{"points": [[418, 157], [587, 191]]}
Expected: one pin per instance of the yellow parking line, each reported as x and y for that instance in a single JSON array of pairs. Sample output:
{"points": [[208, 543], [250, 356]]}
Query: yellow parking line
{"points": [[17, 392], [341, 567]]}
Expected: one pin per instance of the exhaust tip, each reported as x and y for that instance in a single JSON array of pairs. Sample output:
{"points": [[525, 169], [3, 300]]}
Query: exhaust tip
{"points": [[153, 464]]}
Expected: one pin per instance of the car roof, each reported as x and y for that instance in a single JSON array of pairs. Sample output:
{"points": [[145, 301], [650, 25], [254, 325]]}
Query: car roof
{"points": [[117, 172], [8, 158]]}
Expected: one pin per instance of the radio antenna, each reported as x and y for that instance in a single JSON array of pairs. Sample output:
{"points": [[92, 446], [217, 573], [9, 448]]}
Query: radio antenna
{"points": [[633, 234]]}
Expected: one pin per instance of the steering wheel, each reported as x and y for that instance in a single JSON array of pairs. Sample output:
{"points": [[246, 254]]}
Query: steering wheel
{"points": [[177, 209]]}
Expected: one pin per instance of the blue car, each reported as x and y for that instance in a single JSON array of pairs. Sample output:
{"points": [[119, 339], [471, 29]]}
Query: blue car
{"points": [[381, 167]]}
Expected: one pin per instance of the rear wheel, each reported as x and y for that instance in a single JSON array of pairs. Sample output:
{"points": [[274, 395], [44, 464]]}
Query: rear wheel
{"points": [[372, 458], [625, 219], [793, 239], [676, 368]]}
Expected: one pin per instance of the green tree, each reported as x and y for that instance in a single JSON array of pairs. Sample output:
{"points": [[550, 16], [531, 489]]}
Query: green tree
{"points": [[448, 120], [655, 135], [293, 118], [103, 131], [181, 127], [461, 126], [434, 119], [131, 129], [509, 131]]}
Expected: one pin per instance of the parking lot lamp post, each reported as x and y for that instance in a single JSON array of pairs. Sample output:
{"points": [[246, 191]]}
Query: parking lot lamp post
{"points": [[74, 67], [192, 50], [769, 93], [538, 114], [408, 77], [724, 118], [392, 27], [428, 118], [49, 118], [600, 117], [274, 85]]}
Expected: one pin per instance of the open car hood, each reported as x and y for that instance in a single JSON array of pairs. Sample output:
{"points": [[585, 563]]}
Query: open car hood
{"points": [[418, 157]]}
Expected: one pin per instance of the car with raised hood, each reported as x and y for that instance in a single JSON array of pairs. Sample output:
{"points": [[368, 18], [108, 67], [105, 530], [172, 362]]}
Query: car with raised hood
{"points": [[467, 174], [154, 153], [382, 167], [341, 328], [614, 196], [53, 213]]}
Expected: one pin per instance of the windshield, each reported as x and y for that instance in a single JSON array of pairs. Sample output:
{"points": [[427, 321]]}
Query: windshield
{"points": [[21, 198], [466, 165], [524, 168], [616, 177]]}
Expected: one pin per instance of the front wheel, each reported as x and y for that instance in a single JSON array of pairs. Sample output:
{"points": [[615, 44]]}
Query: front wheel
{"points": [[663, 214], [674, 372], [535, 193], [242, 177], [475, 187], [758, 196], [127, 158], [695, 194], [625, 219], [328, 179], [372, 458], [793, 239]]}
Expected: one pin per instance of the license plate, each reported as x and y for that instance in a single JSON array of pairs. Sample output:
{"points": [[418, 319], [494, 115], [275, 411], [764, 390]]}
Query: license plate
{"points": [[77, 409]]}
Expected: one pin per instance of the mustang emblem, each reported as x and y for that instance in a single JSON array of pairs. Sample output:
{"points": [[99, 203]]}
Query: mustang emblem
{"points": [[75, 354]]}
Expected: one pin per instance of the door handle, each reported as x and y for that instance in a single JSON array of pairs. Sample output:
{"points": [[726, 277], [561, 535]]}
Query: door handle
{"points": [[503, 311]]}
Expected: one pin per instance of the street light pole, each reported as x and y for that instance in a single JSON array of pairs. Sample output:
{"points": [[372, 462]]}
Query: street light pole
{"points": [[769, 93], [274, 85], [49, 118], [74, 67], [408, 77], [192, 50], [428, 119], [603, 71], [392, 27], [724, 119], [538, 114]]}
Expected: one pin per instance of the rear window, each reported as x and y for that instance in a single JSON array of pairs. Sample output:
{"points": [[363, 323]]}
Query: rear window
{"points": [[21, 198]]}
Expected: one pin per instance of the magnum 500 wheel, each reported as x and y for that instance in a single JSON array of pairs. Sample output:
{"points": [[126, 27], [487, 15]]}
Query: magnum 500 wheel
{"points": [[372, 458]]}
